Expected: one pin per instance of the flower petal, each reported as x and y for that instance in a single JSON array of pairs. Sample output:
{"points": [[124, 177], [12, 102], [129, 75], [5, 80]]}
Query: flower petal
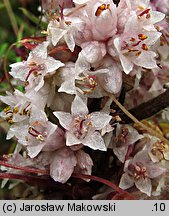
{"points": [[71, 139], [144, 185], [65, 119], [84, 163], [95, 141], [100, 119], [126, 181], [62, 165], [78, 107]]}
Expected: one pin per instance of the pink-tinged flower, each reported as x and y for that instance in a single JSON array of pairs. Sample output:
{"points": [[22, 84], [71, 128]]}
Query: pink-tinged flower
{"points": [[84, 163], [99, 20], [162, 6], [158, 150], [62, 31], [37, 66], [16, 159], [62, 164], [82, 127], [78, 77], [102, 17], [38, 134], [112, 80], [92, 80], [64, 161], [142, 9], [93, 51], [125, 137], [141, 171], [42, 135], [136, 49]]}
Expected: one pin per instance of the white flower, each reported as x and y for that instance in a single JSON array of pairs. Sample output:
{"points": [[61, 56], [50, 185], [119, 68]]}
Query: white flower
{"points": [[140, 171], [37, 66], [84, 163], [64, 30], [19, 107], [38, 134], [62, 164], [83, 128], [126, 136]]}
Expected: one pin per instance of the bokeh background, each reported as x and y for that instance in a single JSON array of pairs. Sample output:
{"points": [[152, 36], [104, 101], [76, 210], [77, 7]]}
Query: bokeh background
{"points": [[18, 19]]}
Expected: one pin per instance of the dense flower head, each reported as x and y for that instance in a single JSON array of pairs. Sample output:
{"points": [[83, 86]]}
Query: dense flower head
{"points": [[92, 49]]}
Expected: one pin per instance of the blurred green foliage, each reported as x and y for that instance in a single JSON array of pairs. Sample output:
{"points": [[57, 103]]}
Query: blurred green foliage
{"points": [[18, 19]]}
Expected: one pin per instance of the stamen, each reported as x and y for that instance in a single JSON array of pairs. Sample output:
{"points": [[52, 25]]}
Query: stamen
{"points": [[7, 109], [139, 170], [34, 70], [138, 53], [36, 134], [9, 119], [142, 37], [25, 111], [144, 12], [144, 47], [101, 8], [132, 39], [40, 138], [16, 110], [90, 82], [136, 44]]}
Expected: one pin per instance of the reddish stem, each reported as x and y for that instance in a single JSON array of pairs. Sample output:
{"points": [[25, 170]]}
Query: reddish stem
{"points": [[104, 181], [25, 169], [2, 79], [33, 39], [29, 46], [46, 172]]}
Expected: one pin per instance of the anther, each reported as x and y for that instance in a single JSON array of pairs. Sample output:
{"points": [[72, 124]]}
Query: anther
{"points": [[7, 109], [142, 37], [16, 110], [144, 47], [101, 8], [40, 138]]}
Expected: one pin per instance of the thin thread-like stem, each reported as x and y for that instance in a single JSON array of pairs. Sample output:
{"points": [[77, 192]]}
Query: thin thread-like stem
{"points": [[104, 181], [149, 130], [25, 169]]}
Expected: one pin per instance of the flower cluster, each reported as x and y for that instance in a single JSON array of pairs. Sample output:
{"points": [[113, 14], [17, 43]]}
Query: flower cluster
{"points": [[91, 49]]}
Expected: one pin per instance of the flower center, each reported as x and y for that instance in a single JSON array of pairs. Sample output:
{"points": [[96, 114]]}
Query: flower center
{"points": [[81, 126], [10, 112], [35, 133], [138, 170], [87, 83], [34, 69], [135, 45], [159, 148], [121, 138]]}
